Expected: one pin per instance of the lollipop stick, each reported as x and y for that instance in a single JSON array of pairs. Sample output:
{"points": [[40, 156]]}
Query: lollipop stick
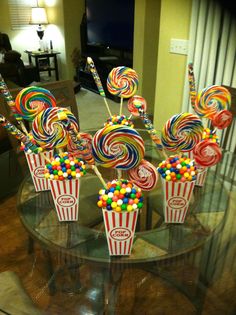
{"points": [[121, 105], [98, 82], [119, 173], [130, 116], [95, 169]]}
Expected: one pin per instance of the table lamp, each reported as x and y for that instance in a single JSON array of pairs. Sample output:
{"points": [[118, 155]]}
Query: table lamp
{"points": [[39, 17]]}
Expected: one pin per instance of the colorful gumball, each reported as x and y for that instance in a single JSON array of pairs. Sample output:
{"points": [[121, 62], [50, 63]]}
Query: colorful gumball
{"points": [[122, 81], [178, 169], [120, 196], [119, 120], [30, 101]]}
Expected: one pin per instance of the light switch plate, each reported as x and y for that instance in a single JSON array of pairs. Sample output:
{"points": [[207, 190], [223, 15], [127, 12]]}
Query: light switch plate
{"points": [[179, 46]]}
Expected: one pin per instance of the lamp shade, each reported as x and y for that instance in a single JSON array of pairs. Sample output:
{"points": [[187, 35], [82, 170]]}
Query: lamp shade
{"points": [[38, 16]]}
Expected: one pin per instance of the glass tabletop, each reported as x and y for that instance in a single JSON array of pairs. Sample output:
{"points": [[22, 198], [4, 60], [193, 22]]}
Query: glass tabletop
{"points": [[154, 239]]}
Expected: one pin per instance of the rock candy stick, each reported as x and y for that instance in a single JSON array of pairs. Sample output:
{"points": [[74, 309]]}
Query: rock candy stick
{"points": [[118, 146], [31, 100], [192, 86], [144, 175], [137, 106], [122, 82], [80, 145], [182, 132], [98, 82], [19, 135], [11, 103], [49, 130]]}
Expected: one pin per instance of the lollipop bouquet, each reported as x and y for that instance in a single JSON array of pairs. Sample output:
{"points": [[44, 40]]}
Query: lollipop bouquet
{"points": [[55, 146]]}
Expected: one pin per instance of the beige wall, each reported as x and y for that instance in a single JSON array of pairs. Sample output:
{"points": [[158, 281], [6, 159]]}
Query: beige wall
{"points": [[174, 23]]}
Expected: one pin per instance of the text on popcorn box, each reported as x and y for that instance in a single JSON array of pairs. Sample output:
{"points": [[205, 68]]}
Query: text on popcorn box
{"points": [[177, 202], [39, 172], [66, 201], [120, 234]]}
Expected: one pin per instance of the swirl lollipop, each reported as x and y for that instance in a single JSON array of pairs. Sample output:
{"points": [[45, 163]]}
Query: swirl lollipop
{"points": [[144, 175], [135, 104], [212, 100], [50, 130], [207, 153], [30, 101], [118, 147], [122, 82], [182, 132], [222, 119]]}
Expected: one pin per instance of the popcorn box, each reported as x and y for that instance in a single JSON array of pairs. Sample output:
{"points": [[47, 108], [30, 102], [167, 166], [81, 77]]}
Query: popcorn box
{"points": [[201, 176], [202, 171], [120, 228], [66, 198], [176, 200], [36, 163]]}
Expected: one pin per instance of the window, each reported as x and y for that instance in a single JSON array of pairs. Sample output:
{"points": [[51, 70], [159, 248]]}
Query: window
{"points": [[20, 11]]}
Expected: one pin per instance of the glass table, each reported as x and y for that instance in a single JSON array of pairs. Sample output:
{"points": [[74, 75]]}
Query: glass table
{"points": [[156, 244]]}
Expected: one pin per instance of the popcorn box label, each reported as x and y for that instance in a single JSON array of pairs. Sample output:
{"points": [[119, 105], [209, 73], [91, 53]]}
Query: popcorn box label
{"points": [[66, 201], [120, 228], [120, 234], [66, 198], [176, 200], [36, 163]]}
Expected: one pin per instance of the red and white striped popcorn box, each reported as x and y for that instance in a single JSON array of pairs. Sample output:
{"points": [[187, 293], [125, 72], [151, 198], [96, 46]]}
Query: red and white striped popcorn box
{"points": [[36, 163], [202, 171], [201, 176], [65, 195], [176, 200], [120, 228]]}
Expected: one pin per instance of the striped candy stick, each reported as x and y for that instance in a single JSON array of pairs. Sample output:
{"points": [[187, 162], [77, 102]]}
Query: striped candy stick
{"points": [[98, 82], [11, 103], [192, 86], [82, 148]]}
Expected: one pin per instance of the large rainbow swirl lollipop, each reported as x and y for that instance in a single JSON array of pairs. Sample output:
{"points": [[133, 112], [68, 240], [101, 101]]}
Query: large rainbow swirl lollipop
{"points": [[182, 132], [30, 101], [49, 129], [122, 82], [211, 100], [118, 147]]}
